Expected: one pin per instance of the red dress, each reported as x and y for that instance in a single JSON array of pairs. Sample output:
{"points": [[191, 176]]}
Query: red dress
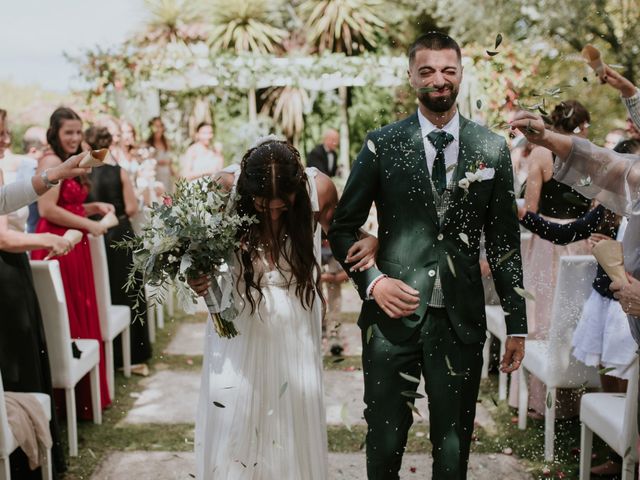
{"points": [[79, 290]]}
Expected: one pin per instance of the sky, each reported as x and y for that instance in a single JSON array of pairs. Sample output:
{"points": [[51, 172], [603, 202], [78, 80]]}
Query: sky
{"points": [[34, 34]]}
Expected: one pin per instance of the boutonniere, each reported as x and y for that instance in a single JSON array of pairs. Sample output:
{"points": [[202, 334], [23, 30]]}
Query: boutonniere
{"points": [[478, 173]]}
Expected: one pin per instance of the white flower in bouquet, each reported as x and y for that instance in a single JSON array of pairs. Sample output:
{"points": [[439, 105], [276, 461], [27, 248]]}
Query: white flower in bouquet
{"points": [[195, 230]]}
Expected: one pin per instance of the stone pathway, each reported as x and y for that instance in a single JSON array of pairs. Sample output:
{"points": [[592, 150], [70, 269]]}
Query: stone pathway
{"points": [[170, 396], [342, 466]]}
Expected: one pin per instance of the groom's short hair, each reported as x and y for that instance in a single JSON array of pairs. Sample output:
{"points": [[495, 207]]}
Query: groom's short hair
{"points": [[433, 41]]}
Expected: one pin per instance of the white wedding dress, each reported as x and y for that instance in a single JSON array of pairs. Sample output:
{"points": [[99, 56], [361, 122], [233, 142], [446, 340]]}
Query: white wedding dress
{"points": [[261, 411]]}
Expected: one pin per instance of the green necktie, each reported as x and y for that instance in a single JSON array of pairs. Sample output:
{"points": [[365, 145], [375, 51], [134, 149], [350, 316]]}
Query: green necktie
{"points": [[439, 140]]}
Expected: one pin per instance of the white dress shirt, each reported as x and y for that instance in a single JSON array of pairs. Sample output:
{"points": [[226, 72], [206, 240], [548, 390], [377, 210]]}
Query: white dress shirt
{"points": [[450, 151]]}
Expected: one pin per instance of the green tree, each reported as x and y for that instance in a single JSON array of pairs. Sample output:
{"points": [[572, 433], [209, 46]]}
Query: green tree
{"points": [[247, 25], [173, 20]]}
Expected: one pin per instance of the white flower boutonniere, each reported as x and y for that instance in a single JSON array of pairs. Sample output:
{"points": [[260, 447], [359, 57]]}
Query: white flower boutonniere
{"points": [[481, 172]]}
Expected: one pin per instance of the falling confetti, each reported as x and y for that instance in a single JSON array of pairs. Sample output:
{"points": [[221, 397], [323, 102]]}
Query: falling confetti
{"points": [[604, 371], [492, 54], [498, 41], [413, 408], [479, 104], [464, 238], [451, 267], [507, 256], [524, 293], [409, 378], [549, 401], [371, 146], [411, 394], [283, 388], [219, 405], [452, 372]]}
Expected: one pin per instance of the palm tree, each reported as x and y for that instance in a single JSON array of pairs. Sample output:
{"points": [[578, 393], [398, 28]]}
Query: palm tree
{"points": [[173, 20], [246, 26], [287, 106], [348, 26], [343, 25]]}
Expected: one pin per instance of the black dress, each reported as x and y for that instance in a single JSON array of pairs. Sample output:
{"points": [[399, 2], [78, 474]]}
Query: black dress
{"points": [[24, 360], [106, 186]]}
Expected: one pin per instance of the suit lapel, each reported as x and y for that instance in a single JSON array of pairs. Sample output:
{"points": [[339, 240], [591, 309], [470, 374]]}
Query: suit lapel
{"points": [[420, 157]]}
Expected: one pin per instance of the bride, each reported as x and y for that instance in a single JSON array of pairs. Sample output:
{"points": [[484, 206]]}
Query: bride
{"points": [[261, 412]]}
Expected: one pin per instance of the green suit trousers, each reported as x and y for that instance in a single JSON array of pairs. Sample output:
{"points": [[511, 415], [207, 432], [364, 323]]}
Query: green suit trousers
{"points": [[451, 370]]}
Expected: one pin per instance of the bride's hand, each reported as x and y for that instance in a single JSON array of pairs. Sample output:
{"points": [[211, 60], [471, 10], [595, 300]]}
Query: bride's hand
{"points": [[200, 285], [363, 253]]}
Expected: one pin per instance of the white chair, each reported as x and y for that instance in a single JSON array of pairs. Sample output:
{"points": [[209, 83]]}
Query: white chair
{"points": [[613, 417], [66, 371], [496, 327], [551, 360], [8, 443], [114, 319]]}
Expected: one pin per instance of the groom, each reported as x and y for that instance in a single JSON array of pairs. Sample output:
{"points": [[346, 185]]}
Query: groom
{"points": [[438, 181]]}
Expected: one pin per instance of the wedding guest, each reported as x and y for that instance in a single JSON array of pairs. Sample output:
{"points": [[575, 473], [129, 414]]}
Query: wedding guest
{"points": [[24, 360], [614, 181], [557, 203], [614, 137], [200, 159], [325, 156], [162, 153], [25, 192], [111, 184], [34, 143], [332, 278], [602, 338], [630, 97], [62, 208]]}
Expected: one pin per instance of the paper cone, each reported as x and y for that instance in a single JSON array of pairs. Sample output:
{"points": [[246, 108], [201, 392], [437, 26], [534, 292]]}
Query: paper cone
{"points": [[109, 220], [74, 236], [94, 158], [592, 55], [611, 258]]}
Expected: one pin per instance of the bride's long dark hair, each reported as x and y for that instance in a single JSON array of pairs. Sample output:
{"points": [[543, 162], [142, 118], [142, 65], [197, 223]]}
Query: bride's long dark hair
{"points": [[273, 170]]}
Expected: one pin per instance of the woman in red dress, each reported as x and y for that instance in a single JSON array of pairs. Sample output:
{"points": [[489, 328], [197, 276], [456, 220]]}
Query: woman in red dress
{"points": [[62, 208]]}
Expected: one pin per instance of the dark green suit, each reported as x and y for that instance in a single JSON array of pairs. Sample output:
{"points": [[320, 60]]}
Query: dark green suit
{"points": [[444, 344]]}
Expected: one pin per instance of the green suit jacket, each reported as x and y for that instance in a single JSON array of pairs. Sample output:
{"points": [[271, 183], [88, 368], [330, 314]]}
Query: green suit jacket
{"points": [[391, 170]]}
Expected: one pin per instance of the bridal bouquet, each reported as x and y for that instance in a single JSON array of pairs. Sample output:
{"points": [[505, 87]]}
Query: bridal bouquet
{"points": [[192, 232]]}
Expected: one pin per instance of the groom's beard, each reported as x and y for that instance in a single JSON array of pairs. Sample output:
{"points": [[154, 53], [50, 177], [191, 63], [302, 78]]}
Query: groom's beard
{"points": [[439, 104]]}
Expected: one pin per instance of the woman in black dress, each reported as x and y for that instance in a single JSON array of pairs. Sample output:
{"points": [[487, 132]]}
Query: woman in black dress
{"points": [[24, 360], [111, 184]]}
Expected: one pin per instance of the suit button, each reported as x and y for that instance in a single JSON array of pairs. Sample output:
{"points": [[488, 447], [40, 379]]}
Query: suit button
{"points": [[432, 273], [440, 236]]}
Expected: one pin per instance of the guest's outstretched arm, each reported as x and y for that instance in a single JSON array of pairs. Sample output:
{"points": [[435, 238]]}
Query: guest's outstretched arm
{"points": [[610, 177]]}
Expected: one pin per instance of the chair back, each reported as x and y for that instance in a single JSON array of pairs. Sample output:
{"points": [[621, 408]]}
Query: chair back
{"points": [[5, 432], [575, 276], [53, 307], [630, 425], [101, 280], [525, 240]]}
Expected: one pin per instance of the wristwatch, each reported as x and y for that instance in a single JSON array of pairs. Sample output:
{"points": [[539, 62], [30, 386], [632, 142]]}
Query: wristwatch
{"points": [[45, 179]]}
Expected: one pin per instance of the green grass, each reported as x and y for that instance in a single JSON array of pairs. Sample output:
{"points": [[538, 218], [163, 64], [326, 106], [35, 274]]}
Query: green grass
{"points": [[97, 441]]}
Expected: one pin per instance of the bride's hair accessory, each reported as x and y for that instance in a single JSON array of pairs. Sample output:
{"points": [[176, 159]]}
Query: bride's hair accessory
{"points": [[266, 139]]}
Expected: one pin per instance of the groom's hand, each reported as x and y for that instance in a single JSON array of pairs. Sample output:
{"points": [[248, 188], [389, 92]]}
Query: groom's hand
{"points": [[395, 298], [513, 354]]}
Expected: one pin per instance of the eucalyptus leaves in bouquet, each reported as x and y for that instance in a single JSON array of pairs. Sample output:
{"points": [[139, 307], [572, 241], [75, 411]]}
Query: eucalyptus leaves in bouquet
{"points": [[195, 231]]}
